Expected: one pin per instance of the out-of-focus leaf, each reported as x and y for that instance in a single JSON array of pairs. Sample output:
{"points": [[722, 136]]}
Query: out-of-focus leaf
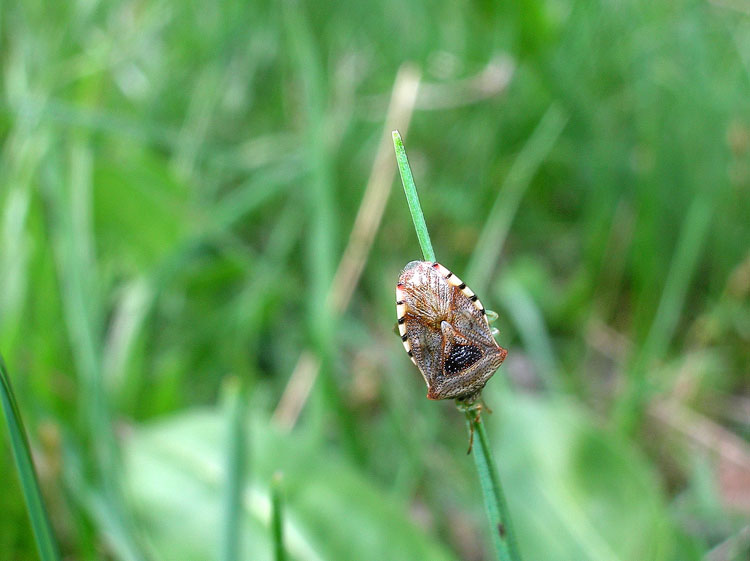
{"points": [[575, 491], [140, 209], [175, 470]]}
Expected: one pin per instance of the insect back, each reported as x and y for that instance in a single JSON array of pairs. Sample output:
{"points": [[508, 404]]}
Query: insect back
{"points": [[445, 331]]}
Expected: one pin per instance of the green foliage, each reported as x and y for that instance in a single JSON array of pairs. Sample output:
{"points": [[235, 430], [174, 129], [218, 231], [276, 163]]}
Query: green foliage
{"points": [[331, 511], [577, 491], [178, 182], [45, 539]]}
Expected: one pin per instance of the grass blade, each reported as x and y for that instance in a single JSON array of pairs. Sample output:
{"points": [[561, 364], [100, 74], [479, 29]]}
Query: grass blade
{"points": [[411, 197], [45, 539], [494, 500], [235, 470], [503, 538], [277, 518]]}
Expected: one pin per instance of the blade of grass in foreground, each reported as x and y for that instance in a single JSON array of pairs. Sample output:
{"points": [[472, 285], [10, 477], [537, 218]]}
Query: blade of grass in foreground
{"points": [[411, 197], [235, 469], [277, 518], [497, 512], [45, 539], [498, 516]]}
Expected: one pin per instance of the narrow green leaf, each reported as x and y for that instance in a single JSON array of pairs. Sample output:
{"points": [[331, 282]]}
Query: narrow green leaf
{"points": [[501, 529], [277, 518], [235, 471], [45, 539], [411, 197], [497, 511]]}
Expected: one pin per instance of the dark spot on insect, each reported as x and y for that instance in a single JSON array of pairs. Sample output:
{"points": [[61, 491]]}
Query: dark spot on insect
{"points": [[462, 285], [409, 353], [473, 298], [461, 357], [404, 337], [449, 275], [402, 319], [435, 265], [399, 302], [501, 529], [483, 312]]}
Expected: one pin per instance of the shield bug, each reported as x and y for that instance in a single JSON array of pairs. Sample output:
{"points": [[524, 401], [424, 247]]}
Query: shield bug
{"points": [[445, 331]]}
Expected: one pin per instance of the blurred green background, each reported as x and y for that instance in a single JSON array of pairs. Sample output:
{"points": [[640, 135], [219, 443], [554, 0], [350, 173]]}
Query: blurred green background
{"points": [[179, 184]]}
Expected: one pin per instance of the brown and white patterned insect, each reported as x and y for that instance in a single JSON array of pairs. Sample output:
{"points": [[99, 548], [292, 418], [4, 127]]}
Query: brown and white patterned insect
{"points": [[445, 331]]}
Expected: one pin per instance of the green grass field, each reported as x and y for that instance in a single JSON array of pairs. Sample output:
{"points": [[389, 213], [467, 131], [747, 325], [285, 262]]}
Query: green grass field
{"points": [[183, 221]]}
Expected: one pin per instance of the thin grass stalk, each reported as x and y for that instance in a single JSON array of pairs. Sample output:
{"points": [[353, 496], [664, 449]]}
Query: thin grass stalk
{"points": [[235, 470], [277, 518], [498, 515], [410, 189], [40, 523]]}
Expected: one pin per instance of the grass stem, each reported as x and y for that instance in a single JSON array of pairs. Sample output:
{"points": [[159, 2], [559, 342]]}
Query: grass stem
{"points": [[501, 530], [411, 197], [277, 518], [235, 468], [494, 500]]}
